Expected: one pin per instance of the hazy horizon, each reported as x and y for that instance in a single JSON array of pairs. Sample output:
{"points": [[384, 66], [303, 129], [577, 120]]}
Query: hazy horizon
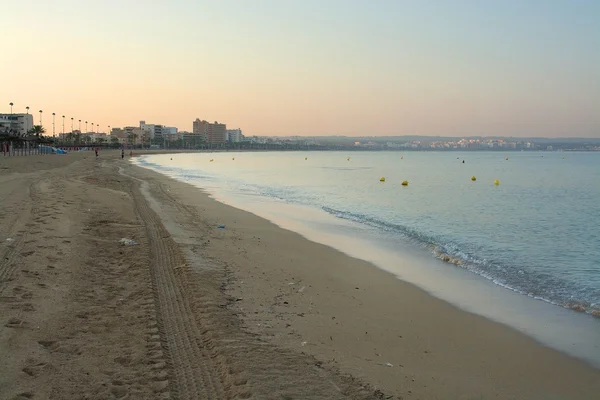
{"points": [[309, 68]]}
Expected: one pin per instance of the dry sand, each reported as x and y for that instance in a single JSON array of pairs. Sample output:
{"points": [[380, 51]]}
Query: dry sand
{"points": [[249, 311]]}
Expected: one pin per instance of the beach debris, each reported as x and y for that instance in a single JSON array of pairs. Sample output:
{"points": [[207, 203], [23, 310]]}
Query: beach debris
{"points": [[10, 240], [291, 283], [303, 344], [301, 289], [127, 242], [386, 364], [576, 307], [221, 226]]}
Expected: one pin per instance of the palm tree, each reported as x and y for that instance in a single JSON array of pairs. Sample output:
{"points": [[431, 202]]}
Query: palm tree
{"points": [[37, 130]]}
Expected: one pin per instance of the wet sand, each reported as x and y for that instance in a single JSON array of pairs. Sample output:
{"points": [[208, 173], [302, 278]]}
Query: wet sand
{"points": [[248, 311]]}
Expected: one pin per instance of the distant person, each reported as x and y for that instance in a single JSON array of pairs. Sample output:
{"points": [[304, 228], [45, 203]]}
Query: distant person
{"points": [[122, 154], [131, 154], [463, 161], [96, 150]]}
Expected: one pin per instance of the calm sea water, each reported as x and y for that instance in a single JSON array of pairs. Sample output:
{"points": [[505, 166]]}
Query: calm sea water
{"points": [[537, 232]]}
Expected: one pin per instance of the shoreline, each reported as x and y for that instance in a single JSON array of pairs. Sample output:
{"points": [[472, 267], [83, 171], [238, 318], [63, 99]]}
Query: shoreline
{"points": [[248, 311], [286, 257], [573, 334]]}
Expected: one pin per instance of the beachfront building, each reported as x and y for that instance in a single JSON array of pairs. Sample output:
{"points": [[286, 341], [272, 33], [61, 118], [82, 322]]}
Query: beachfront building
{"points": [[200, 128], [215, 133], [153, 131], [16, 124], [234, 135], [118, 135], [158, 133]]}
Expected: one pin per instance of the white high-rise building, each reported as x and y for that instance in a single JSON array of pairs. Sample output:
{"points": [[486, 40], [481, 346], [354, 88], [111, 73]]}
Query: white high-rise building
{"points": [[16, 124], [234, 135]]}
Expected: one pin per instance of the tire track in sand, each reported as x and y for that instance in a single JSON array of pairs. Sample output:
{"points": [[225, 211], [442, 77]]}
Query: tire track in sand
{"points": [[193, 374]]}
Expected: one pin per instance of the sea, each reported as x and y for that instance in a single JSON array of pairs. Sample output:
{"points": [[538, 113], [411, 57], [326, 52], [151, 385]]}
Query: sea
{"points": [[514, 237]]}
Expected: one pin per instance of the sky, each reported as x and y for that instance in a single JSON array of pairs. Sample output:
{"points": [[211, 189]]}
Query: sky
{"points": [[309, 67]]}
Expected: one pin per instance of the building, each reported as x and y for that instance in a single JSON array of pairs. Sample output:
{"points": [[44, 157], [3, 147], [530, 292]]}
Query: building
{"points": [[16, 124], [200, 128], [153, 131], [234, 135], [214, 133], [169, 133]]}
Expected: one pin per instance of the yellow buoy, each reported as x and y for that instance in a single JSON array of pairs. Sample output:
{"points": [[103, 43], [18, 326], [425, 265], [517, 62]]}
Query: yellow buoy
{"points": [[563, 158], [382, 179], [496, 182], [506, 158], [306, 158], [349, 158], [404, 183], [233, 158], [211, 160], [473, 178]]}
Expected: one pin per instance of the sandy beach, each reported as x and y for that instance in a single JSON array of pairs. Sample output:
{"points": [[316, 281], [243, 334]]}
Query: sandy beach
{"points": [[196, 311]]}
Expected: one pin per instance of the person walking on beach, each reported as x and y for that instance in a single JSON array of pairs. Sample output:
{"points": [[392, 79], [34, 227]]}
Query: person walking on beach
{"points": [[122, 154], [96, 150]]}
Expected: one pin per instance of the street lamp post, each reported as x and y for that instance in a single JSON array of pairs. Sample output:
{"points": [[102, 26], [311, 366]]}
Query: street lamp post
{"points": [[71, 125], [41, 117], [63, 131], [86, 131], [92, 127], [79, 126], [11, 105], [53, 132]]}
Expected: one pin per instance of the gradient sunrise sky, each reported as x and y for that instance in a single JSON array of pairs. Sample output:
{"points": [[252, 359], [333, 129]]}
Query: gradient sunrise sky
{"points": [[309, 67]]}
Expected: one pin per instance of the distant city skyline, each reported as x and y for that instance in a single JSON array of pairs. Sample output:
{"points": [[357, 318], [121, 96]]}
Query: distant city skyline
{"points": [[310, 68]]}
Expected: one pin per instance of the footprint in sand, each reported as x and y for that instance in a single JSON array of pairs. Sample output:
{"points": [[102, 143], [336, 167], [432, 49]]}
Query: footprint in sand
{"points": [[15, 323], [36, 369]]}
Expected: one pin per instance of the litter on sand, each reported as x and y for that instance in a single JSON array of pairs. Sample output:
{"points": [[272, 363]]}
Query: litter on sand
{"points": [[9, 239], [221, 226], [387, 364], [127, 242]]}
